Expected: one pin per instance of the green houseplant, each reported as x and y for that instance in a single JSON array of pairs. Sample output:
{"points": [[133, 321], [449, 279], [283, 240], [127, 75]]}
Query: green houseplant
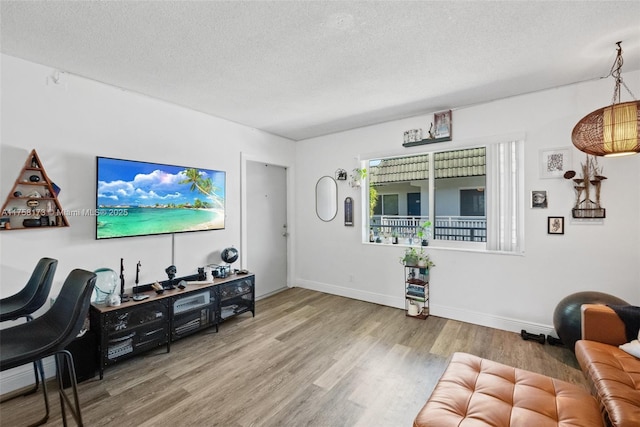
{"points": [[424, 230], [410, 257], [416, 258], [424, 261], [358, 175]]}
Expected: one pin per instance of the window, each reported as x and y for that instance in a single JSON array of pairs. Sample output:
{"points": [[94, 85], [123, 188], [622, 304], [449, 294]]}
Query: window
{"points": [[386, 204], [468, 195], [472, 202]]}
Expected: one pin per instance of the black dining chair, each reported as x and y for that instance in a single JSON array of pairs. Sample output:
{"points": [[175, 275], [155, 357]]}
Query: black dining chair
{"points": [[33, 295], [27, 301], [49, 335]]}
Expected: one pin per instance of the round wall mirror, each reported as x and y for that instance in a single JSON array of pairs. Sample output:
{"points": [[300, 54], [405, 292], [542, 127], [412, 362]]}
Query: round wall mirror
{"points": [[326, 198]]}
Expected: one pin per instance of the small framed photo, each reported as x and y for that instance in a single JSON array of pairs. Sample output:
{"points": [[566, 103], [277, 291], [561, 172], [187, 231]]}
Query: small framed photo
{"points": [[555, 225], [442, 124], [539, 199], [555, 162]]}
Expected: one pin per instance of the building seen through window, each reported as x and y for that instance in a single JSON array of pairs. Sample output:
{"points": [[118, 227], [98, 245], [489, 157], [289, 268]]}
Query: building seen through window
{"points": [[402, 190]]}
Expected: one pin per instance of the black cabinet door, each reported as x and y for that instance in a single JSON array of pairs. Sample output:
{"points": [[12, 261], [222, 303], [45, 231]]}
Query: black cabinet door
{"points": [[85, 358]]}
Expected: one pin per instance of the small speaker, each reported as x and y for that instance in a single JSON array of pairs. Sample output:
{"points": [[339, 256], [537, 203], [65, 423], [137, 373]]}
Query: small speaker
{"points": [[32, 222]]}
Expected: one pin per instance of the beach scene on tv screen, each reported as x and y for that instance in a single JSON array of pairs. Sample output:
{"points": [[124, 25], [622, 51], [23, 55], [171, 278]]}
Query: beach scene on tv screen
{"points": [[138, 198]]}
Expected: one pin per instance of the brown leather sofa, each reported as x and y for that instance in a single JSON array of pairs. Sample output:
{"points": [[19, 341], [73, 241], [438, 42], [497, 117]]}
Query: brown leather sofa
{"points": [[479, 392], [614, 375]]}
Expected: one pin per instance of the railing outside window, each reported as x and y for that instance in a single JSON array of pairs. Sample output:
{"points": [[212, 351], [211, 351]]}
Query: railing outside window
{"points": [[462, 228]]}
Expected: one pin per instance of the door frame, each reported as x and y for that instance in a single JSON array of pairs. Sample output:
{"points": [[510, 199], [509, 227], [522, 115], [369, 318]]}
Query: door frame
{"points": [[289, 173]]}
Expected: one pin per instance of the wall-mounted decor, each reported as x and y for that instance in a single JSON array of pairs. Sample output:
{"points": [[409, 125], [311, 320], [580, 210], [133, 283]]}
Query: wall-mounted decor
{"points": [[412, 135], [5, 222], [554, 162], [591, 180], [357, 176], [341, 175], [348, 212], [539, 199], [439, 131], [33, 200], [326, 198], [442, 124], [555, 225]]}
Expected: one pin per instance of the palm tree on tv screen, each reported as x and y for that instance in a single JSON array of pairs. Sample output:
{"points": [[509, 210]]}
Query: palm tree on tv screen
{"points": [[203, 185]]}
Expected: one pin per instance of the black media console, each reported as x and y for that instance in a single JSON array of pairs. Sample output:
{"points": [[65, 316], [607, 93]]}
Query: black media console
{"points": [[138, 326]]}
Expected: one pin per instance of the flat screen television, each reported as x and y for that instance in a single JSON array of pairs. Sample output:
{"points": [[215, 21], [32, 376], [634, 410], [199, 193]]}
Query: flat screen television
{"points": [[135, 198]]}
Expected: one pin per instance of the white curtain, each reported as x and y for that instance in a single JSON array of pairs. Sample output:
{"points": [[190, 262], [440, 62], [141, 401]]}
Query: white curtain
{"points": [[505, 196]]}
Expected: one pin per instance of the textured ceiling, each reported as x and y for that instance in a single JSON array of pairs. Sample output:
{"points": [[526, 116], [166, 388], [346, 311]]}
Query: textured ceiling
{"points": [[303, 69]]}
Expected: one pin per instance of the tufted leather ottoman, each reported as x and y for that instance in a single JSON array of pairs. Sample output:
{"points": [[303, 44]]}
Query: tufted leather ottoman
{"points": [[478, 392]]}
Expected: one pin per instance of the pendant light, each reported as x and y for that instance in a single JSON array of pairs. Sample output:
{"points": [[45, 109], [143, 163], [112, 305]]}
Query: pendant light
{"points": [[612, 130]]}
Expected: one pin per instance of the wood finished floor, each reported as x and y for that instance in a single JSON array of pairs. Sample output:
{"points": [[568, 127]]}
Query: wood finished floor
{"points": [[306, 359]]}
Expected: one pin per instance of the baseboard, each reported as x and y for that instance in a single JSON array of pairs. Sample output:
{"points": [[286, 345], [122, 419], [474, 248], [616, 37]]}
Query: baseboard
{"points": [[468, 316], [491, 321], [23, 377], [376, 298], [268, 294]]}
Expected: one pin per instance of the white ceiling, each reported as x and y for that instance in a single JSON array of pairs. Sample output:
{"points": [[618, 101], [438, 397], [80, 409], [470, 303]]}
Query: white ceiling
{"points": [[302, 69]]}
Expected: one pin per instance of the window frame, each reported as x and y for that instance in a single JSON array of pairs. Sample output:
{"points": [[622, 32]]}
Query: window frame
{"points": [[517, 200]]}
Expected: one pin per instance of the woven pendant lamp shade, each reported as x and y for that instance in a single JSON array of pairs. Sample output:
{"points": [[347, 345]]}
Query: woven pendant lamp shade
{"points": [[610, 131]]}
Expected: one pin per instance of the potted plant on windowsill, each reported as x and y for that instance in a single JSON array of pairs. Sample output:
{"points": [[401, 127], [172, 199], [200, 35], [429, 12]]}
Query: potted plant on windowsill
{"points": [[424, 230]]}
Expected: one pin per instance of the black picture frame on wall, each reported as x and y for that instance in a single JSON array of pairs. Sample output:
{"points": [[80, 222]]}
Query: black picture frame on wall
{"points": [[555, 225], [348, 212]]}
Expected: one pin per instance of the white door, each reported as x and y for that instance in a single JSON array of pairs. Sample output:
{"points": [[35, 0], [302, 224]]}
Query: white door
{"points": [[267, 226]]}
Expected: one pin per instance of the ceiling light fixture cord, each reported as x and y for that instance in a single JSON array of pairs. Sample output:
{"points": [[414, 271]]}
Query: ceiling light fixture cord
{"points": [[617, 75]]}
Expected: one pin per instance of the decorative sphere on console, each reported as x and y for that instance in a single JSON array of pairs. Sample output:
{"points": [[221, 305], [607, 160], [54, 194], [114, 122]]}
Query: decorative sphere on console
{"points": [[229, 255]]}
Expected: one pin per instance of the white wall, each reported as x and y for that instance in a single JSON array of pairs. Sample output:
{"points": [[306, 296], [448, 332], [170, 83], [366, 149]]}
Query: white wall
{"points": [[504, 291], [71, 123]]}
